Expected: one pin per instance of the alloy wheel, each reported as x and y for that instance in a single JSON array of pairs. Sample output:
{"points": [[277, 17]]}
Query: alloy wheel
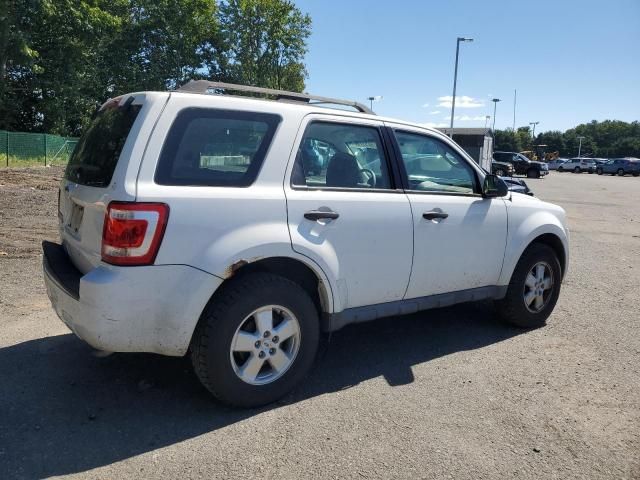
{"points": [[538, 287], [265, 345]]}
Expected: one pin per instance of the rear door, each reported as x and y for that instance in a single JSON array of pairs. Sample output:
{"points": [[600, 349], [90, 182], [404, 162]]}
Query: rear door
{"points": [[459, 236], [345, 212], [103, 168]]}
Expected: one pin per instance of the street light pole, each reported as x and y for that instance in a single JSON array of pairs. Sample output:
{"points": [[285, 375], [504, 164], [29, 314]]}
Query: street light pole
{"points": [[580, 146], [495, 104], [533, 135], [377, 98], [455, 80]]}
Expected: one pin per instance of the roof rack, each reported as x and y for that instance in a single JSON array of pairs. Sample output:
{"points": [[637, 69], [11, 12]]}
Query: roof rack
{"points": [[207, 87]]}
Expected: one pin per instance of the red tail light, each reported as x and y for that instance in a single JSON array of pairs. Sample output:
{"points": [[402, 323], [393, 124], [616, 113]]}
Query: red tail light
{"points": [[132, 232]]}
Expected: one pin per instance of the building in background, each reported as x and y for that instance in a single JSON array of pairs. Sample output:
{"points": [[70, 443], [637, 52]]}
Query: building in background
{"points": [[477, 142]]}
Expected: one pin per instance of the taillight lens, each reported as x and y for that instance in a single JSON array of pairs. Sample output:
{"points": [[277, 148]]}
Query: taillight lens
{"points": [[132, 232]]}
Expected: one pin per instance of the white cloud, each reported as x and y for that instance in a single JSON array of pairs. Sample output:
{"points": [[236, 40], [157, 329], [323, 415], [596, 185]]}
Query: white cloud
{"points": [[461, 102], [434, 112], [466, 118]]}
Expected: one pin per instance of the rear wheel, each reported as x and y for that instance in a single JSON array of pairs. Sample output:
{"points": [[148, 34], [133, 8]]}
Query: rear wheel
{"points": [[599, 171], [256, 340], [621, 172], [635, 174], [560, 169], [576, 170], [532, 173], [534, 288]]}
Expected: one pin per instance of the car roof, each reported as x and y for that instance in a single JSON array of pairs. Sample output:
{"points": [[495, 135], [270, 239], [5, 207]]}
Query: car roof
{"points": [[287, 103]]}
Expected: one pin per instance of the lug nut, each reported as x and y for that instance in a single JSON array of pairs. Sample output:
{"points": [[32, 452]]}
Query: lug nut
{"points": [[275, 339], [266, 334], [261, 355], [257, 344], [272, 351]]}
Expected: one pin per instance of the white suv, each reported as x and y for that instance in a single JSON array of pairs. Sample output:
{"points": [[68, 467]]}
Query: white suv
{"points": [[238, 229]]}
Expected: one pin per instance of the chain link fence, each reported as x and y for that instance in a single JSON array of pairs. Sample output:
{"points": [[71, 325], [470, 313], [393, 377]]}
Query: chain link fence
{"points": [[18, 149]]}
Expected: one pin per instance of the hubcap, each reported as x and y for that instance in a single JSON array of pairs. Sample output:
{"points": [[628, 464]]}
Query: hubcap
{"points": [[265, 345], [538, 287]]}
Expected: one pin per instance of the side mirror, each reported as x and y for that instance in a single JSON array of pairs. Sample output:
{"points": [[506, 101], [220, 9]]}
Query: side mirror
{"points": [[494, 186]]}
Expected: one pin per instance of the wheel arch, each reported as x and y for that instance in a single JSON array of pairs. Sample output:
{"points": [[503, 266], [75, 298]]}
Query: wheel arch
{"points": [[554, 242], [312, 280], [548, 232]]}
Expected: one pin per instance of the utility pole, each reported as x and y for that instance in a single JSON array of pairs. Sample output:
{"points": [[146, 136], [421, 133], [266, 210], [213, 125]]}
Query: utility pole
{"points": [[515, 97], [455, 80], [495, 104], [533, 134]]}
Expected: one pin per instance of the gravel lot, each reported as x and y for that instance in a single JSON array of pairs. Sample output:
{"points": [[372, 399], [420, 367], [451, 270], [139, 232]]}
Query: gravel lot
{"points": [[443, 394]]}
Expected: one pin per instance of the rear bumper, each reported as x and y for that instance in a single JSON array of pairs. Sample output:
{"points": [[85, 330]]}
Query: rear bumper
{"points": [[128, 309]]}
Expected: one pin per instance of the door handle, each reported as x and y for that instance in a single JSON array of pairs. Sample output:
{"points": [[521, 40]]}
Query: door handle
{"points": [[433, 214], [320, 214]]}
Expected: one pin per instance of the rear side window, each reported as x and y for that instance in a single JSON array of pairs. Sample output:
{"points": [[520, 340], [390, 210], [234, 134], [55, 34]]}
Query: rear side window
{"points": [[218, 148], [95, 157]]}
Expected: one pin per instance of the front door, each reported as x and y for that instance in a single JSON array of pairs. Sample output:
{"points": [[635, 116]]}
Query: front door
{"points": [[459, 236], [345, 213]]}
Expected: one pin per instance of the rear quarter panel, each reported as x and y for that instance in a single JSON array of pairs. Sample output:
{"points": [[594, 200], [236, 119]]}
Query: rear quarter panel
{"points": [[216, 229]]}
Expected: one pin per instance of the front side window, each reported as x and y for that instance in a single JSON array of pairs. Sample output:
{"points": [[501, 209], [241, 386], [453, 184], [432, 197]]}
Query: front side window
{"points": [[337, 155], [432, 166], [219, 148]]}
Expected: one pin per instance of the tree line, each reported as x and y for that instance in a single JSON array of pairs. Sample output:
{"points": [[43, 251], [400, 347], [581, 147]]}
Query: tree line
{"points": [[607, 139], [59, 59]]}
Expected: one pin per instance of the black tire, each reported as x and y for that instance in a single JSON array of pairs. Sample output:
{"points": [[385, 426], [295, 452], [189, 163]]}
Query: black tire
{"points": [[560, 169], [620, 172], [211, 343], [599, 171], [532, 173], [500, 172], [512, 308], [576, 170], [635, 174]]}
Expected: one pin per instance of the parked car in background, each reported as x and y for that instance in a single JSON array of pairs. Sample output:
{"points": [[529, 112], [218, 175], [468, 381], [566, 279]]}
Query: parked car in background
{"points": [[190, 223], [502, 169], [620, 166], [517, 185], [554, 164], [578, 165], [522, 165], [600, 161]]}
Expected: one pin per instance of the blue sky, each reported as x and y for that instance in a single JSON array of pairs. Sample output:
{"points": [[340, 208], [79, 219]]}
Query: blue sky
{"points": [[571, 61]]}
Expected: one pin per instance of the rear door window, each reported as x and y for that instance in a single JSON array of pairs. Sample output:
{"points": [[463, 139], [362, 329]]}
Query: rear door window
{"points": [[95, 157], [341, 155], [219, 148]]}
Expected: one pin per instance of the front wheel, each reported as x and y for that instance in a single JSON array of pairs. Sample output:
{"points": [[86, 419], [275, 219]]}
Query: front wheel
{"points": [[576, 170], [534, 288], [621, 172], [531, 173], [599, 171], [500, 172], [560, 169], [256, 340]]}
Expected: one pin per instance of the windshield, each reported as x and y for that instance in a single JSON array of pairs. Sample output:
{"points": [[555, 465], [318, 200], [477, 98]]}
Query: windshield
{"points": [[95, 157]]}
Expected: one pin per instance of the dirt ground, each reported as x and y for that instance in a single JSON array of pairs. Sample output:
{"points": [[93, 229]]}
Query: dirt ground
{"points": [[449, 393]]}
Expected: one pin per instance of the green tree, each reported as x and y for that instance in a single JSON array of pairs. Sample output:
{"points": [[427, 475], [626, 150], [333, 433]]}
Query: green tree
{"points": [[266, 41]]}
